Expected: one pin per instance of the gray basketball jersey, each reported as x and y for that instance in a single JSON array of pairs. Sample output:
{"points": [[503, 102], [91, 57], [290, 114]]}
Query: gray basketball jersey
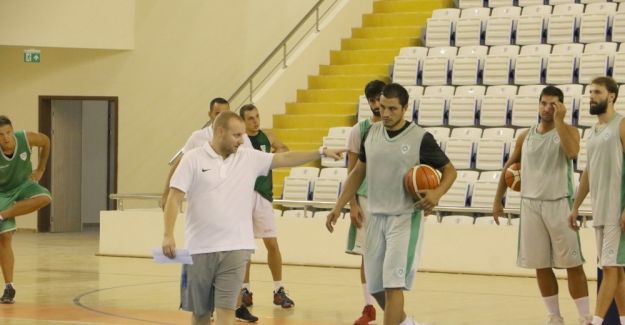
{"points": [[605, 172], [546, 172], [388, 160]]}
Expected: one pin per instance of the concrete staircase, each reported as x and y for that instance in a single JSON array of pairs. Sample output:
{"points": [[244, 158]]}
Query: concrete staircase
{"points": [[331, 98]]}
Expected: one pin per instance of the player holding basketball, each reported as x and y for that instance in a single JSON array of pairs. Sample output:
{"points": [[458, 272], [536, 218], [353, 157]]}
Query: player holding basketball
{"points": [[19, 192], [603, 177], [394, 229], [264, 224], [358, 205], [546, 152]]}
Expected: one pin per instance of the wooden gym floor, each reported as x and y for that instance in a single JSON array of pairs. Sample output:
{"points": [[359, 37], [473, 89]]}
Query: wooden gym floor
{"points": [[60, 280]]}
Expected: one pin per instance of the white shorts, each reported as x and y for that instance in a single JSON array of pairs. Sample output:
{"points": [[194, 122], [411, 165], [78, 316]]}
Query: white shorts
{"points": [[610, 246], [263, 218], [392, 250], [545, 239], [356, 236]]}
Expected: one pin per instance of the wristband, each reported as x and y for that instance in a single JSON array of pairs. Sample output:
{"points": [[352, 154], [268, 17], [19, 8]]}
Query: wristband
{"points": [[322, 150]]}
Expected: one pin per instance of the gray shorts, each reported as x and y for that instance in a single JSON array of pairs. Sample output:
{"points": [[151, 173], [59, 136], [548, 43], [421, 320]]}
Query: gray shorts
{"points": [[212, 281], [392, 250], [545, 239], [610, 246]]}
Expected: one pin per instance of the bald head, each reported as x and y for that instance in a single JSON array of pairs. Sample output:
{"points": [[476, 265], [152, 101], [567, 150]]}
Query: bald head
{"points": [[223, 120], [228, 132]]}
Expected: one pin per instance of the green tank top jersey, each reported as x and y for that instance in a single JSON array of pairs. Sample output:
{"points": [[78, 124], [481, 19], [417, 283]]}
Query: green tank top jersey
{"points": [[16, 170], [606, 172], [264, 184], [363, 126]]}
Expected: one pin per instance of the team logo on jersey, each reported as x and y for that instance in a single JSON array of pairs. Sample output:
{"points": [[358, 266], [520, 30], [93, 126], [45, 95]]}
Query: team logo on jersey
{"points": [[405, 148], [556, 139], [23, 156], [606, 135]]}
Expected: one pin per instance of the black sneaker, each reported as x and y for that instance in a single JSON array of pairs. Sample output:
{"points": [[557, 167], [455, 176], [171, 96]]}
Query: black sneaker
{"points": [[247, 297], [244, 315], [281, 299], [9, 295]]}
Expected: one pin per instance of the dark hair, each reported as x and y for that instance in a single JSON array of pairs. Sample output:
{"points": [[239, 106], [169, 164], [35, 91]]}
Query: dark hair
{"points": [[394, 90], [552, 91], [608, 83], [373, 89], [5, 121], [246, 108], [217, 100], [222, 120]]}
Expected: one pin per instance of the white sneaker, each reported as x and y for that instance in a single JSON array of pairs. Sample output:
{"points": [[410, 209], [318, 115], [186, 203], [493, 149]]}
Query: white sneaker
{"points": [[555, 320]]}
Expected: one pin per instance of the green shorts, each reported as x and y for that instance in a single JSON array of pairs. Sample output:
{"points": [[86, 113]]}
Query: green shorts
{"points": [[27, 190]]}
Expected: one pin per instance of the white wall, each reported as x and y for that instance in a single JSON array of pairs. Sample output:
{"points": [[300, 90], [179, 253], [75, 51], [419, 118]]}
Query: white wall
{"points": [[185, 54], [96, 24]]}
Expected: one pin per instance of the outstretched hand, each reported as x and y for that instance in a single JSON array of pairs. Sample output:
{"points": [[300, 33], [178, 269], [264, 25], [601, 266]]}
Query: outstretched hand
{"points": [[336, 154]]}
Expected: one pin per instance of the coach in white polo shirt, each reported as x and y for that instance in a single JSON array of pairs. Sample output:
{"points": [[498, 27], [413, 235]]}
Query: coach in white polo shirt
{"points": [[219, 182]]}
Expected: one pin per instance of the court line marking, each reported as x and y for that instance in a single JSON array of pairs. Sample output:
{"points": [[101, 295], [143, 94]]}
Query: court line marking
{"points": [[78, 303]]}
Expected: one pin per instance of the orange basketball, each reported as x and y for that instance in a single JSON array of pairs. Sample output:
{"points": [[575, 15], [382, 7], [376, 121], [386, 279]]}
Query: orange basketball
{"points": [[513, 177], [419, 178]]}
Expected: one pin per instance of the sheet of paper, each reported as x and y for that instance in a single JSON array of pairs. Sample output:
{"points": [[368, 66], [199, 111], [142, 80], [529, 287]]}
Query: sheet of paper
{"points": [[182, 256]]}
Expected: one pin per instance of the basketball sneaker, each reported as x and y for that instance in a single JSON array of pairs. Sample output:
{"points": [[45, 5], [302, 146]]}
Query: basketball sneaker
{"points": [[9, 295], [281, 299], [555, 320], [243, 314], [367, 317], [246, 297]]}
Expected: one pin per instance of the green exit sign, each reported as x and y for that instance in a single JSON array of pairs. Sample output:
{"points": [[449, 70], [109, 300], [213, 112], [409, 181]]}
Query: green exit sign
{"points": [[32, 56]]}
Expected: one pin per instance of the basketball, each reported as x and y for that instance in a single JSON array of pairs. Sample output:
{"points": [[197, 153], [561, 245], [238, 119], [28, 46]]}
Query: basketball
{"points": [[513, 177], [419, 178]]}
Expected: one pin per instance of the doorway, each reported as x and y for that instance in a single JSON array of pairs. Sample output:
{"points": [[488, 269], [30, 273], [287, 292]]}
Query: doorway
{"points": [[82, 168]]}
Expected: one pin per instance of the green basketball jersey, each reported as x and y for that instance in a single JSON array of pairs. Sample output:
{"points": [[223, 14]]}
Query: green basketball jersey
{"points": [[363, 126], [264, 184], [15, 170]]}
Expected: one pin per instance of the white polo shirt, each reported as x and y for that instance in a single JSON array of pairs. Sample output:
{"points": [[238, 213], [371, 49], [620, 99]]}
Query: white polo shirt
{"points": [[204, 135], [220, 197]]}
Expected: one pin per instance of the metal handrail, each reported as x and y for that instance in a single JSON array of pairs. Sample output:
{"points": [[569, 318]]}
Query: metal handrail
{"points": [[281, 47]]}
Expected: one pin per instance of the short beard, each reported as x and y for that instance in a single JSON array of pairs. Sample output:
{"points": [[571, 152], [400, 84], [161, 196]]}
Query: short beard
{"points": [[599, 108]]}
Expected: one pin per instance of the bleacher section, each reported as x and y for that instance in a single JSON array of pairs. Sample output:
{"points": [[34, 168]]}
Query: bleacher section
{"points": [[475, 84], [331, 98]]}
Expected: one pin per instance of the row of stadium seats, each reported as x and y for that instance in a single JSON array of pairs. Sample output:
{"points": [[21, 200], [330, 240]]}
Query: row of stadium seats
{"points": [[566, 23], [521, 3], [509, 64]]}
